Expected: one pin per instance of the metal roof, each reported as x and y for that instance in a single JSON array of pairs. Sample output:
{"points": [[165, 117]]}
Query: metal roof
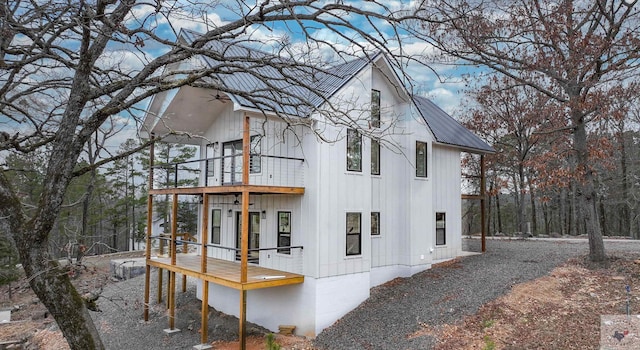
{"points": [[272, 83], [447, 130]]}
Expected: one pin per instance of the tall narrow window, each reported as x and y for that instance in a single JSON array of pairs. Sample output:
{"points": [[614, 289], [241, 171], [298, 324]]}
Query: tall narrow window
{"points": [[375, 108], [216, 220], [354, 150], [354, 233], [421, 159], [375, 157], [375, 223], [441, 231], [210, 165], [284, 232], [255, 163]]}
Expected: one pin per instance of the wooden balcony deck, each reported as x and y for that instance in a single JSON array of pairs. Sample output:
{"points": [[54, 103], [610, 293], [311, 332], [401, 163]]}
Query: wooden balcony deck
{"points": [[227, 273], [232, 189]]}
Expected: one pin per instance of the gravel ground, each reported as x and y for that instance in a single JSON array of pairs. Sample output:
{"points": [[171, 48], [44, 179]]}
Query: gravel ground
{"points": [[446, 294], [394, 311], [121, 323]]}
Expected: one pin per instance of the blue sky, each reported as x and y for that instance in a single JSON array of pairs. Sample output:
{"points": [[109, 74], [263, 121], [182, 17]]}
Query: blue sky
{"points": [[447, 94]]}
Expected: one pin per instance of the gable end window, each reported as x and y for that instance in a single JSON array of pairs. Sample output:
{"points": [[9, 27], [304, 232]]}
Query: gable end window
{"points": [[354, 150], [375, 223], [284, 232], [375, 108], [441, 229], [216, 218], [421, 159], [354, 234]]}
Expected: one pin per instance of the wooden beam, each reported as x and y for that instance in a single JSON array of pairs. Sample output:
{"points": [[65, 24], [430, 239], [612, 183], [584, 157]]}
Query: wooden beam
{"points": [[204, 239], [147, 253], [227, 189], [204, 315], [172, 301], [160, 272], [174, 228], [244, 240], [483, 219], [243, 320]]}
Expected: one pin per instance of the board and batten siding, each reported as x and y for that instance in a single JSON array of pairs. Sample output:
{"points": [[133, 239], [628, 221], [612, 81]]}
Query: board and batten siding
{"points": [[447, 199]]}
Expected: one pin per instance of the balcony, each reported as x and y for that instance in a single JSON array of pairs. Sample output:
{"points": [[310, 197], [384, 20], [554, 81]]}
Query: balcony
{"points": [[223, 174], [181, 255]]}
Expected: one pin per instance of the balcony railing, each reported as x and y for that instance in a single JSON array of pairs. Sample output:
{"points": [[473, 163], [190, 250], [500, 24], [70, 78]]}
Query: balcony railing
{"points": [[272, 258], [265, 170]]}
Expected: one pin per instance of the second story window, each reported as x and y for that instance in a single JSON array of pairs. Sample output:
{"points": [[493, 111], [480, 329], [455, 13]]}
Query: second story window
{"points": [[375, 157], [375, 108], [421, 159], [354, 150]]}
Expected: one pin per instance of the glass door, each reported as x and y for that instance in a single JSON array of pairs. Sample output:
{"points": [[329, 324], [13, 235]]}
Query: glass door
{"points": [[232, 162], [254, 236]]}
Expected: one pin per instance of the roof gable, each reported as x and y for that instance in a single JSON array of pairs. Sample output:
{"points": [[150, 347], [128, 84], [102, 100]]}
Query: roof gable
{"points": [[447, 130]]}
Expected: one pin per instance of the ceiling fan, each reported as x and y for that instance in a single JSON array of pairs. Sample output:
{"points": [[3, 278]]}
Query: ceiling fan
{"points": [[235, 202]]}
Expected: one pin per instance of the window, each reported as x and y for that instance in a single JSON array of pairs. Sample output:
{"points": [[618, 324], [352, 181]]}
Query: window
{"points": [[441, 233], [255, 163], [375, 157], [284, 232], [375, 108], [421, 159], [216, 220], [375, 223], [353, 233], [354, 150], [210, 165]]}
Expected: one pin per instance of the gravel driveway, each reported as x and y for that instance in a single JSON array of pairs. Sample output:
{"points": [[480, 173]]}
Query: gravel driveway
{"points": [[440, 295]]}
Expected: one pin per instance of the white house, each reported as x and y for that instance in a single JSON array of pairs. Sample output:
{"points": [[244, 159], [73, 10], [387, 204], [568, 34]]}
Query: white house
{"points": [[346, 214]]}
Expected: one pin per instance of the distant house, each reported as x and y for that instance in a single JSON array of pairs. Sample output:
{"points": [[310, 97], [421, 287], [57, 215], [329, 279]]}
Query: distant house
{"points": [[324, 221]]}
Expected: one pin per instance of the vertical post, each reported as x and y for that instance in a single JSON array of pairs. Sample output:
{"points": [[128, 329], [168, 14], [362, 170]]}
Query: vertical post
{"points": [[147, 271], [172, 300], [204, 239], [483, 196], [174, 228], [160, 272], [243, 319], [244, 240]]}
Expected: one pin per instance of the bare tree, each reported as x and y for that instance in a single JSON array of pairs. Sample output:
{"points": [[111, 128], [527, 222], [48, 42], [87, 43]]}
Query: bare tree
{"points": [[571, 51], [66, 67]]}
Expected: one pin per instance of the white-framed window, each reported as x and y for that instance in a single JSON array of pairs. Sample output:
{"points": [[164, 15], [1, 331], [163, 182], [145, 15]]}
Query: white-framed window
{"points": [[354, 234], [216, 224], [354, 150], [375, 223], [421, 159], [441, 228], [284, 232]]}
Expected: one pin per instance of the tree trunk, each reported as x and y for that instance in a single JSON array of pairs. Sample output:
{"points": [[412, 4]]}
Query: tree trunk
{"points": [[534, 219], [585, 192], [47, 279]]}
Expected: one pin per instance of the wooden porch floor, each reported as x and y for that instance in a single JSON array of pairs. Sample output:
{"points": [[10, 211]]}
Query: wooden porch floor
{"points": [[227, 273]]}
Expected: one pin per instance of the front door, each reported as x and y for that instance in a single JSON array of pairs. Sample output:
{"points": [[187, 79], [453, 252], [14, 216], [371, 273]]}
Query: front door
{"points": [[232, 162], [254, 236]]}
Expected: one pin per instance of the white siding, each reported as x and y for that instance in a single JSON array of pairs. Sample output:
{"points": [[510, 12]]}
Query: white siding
{"points": [[448, 200]]}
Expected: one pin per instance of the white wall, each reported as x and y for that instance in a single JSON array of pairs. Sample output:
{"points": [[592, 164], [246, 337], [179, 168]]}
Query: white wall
{"points": [[447, 177]]}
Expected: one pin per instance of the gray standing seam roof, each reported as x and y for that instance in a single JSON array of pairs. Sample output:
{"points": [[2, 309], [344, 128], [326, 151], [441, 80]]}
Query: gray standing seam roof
{"points": [[275, 84], [447, 130]]}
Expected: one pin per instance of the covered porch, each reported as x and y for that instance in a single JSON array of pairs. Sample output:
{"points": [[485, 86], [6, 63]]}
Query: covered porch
{"points": [[239, 273]]}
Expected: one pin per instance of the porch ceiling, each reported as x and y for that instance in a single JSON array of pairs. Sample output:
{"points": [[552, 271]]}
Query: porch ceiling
{"points": [[192, 111]]}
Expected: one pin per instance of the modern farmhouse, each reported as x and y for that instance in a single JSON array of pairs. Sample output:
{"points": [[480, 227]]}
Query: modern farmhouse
{"points": [[303, 213]]}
